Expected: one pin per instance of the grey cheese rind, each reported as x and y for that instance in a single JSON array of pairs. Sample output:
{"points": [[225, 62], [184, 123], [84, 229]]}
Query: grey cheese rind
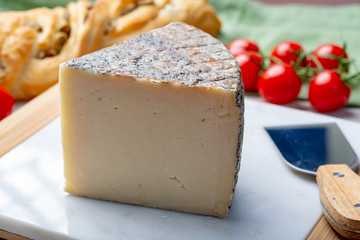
{"points": [[175, 53], [239, 102]]}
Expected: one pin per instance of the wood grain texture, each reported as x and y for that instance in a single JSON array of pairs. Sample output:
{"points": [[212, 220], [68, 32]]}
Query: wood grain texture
{"points": [[323, 231], [11, 236], [339, 194], [24, 122]]}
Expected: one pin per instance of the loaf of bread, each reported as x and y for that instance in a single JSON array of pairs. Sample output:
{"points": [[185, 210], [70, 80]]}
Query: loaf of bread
{"points": [[34, 42]]}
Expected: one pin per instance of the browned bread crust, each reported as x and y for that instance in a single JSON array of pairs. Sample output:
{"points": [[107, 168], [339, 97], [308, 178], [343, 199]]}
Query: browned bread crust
{"points": [[33, 43]]}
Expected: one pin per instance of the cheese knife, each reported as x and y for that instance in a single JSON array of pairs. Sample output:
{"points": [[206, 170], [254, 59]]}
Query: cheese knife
{"points": [[323, 150]]}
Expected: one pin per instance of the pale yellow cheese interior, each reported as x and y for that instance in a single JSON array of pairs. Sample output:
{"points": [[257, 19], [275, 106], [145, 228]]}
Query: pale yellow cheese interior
{"points": [[144, 142]]}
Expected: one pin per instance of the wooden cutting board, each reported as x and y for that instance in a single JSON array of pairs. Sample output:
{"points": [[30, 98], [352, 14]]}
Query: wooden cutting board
{"points": [[323, 231], [24, 122]]}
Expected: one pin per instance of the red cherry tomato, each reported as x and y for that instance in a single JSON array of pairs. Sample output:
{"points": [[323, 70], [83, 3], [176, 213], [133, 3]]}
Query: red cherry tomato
{"points": [[328, 55], [288, 52], [7, 103], [250, 65], [327, 92], [279, 84], [241, 45]]}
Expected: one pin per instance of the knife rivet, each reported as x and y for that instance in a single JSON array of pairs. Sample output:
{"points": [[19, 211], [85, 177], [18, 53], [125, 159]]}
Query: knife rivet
{"points": [[357, 206], [338, 174]]}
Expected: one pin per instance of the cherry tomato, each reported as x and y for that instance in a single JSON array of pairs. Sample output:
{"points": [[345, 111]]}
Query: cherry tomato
{"points": [[241, 45], [250, 65], [7, 103], [327, 92], [328, 55], [279, 84], [288, 52]]}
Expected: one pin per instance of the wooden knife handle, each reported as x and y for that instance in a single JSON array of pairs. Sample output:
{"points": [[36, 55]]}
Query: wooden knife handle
{"points": [[340, 197]]}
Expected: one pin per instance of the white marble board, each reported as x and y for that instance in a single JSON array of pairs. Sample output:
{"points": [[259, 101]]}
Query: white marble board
{"points": [[271, 200]]}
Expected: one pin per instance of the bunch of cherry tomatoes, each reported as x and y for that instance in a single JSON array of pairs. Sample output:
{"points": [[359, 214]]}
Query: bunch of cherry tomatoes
{"points": [[278, 77]]}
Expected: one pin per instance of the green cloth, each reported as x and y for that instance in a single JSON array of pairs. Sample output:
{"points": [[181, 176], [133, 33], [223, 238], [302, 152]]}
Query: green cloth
{"points": [[269, 24], [16, 5], [308, 24]]}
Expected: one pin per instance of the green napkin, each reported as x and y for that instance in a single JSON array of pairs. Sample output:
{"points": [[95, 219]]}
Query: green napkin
{"points": [[16, 5], [270, 24], [309, 25]]}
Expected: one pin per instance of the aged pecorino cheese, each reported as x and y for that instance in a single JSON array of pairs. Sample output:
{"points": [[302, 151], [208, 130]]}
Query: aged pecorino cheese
{"points": [[156, 121]]}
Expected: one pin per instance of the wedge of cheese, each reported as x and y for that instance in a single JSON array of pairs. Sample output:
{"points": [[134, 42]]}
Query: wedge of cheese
{"points": [[156, 121]]}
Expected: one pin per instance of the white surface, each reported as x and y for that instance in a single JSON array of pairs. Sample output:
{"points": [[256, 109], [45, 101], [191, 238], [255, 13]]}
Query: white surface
{"points": [[271, 200], [348, 113]]}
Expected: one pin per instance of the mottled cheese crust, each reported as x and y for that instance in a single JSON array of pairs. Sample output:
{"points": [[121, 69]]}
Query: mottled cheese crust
{"points": [[155, 121], [177, 52]]}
